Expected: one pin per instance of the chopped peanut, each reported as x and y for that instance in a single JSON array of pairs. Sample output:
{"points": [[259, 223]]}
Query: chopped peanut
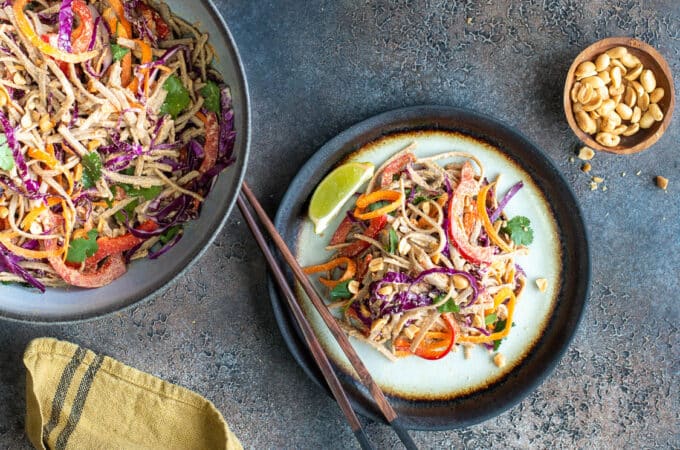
{"points": [[499, 359], [586, 153], [586, 167], [662, 182], [542, 284]]}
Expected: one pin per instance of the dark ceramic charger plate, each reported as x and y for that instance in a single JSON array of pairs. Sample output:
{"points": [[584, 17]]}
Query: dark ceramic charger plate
{"points": [[575, 276], [146, 278]]}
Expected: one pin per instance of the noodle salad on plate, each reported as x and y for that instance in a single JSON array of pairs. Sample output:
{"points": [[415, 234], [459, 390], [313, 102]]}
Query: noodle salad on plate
{"points": [[113, 129], [425, 260]]}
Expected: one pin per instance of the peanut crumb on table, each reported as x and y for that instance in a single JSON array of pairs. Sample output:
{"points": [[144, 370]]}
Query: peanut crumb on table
{"points": [[662, 182]]}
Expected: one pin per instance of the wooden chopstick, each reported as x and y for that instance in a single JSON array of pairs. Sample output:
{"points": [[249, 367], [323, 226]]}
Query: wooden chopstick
{"points": [[313, 344], [365, 377]]}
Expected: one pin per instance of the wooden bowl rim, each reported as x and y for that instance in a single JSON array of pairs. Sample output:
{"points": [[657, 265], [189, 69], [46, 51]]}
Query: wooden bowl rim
{"points": [[603, 45]]}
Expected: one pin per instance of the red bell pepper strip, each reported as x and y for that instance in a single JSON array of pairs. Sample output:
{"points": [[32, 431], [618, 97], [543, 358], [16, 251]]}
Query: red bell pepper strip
{"points": [[212, 133], [362, 267], [456, 231], [111, 245], [340, 235], [394, 168], [82, 35], [435, 345], [372, 231], [154, 21], [114, 267]]}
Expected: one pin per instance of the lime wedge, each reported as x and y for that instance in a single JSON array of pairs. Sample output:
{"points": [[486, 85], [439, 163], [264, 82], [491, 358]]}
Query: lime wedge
{"points": [[335, 190]]}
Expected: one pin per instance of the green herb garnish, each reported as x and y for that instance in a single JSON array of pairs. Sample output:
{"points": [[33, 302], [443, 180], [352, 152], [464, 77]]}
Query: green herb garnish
{"points": [[118, 51], [491, 318], [171, 233], [393, 241], [80, 249], [341, 291], [519, 230], [92, 169], [6, 157], [449, 306], [211, 94], [177, 99]]}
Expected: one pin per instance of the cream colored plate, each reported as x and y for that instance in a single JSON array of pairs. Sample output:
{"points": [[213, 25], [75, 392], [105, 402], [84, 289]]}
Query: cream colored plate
{"points": [[453, 375]]}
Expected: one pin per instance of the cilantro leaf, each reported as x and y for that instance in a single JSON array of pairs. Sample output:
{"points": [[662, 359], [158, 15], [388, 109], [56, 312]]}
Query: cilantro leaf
{"points": [[491, 318], [129, 209], [6, 157], [92, 169], [496, 344], [341, 291], [148, 193], [393, 241], [118, 51], [519, 230], [449, 306], [211, 94], [80, 249], [177, 99]]}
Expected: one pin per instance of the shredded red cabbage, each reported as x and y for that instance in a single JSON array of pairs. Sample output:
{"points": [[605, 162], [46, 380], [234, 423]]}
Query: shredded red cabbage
{"points": [[30, 185], [9, 262], [166, 247], [504, 201], [65, 26], [7, 181]]}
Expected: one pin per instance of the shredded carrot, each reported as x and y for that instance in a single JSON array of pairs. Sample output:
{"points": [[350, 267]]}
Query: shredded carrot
{"points": [[31, 216], [350, 270], [147, 57], [78, 172], [120, 12], [43, 156], [202, 117]]}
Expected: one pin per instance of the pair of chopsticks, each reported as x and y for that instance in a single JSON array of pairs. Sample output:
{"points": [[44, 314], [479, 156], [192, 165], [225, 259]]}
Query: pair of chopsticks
{"points": [[246, 197]]}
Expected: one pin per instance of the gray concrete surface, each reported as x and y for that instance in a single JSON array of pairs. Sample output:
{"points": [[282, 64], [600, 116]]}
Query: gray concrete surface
{"points": [[316, 68]]}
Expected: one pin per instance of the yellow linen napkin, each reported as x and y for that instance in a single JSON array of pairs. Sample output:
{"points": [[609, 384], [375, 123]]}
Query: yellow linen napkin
{"points": [[76, 399]]}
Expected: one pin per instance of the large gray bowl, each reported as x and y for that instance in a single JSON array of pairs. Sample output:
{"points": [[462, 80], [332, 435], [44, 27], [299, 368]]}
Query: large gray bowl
{"points": [[146, 278]]}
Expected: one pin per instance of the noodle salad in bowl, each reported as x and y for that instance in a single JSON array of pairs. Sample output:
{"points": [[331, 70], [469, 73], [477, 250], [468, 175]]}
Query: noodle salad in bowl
{"points": [[426, 259], [113, 129]]}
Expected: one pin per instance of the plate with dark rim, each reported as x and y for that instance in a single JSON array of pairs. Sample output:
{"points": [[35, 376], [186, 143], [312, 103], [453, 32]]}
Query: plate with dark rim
{"points": [[146, 278], [456, 391]]}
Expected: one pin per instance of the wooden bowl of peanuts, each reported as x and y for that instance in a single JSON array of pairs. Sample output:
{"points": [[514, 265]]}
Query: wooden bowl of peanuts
{"points": [[619, 96]]}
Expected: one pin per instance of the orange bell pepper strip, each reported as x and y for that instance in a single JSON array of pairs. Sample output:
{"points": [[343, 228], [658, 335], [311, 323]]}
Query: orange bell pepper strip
{"points": [[501, 296], [147, 57], [488, 226], [29, 33], [350, 270], [364, 200], [435, 345], [123, 22]]}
